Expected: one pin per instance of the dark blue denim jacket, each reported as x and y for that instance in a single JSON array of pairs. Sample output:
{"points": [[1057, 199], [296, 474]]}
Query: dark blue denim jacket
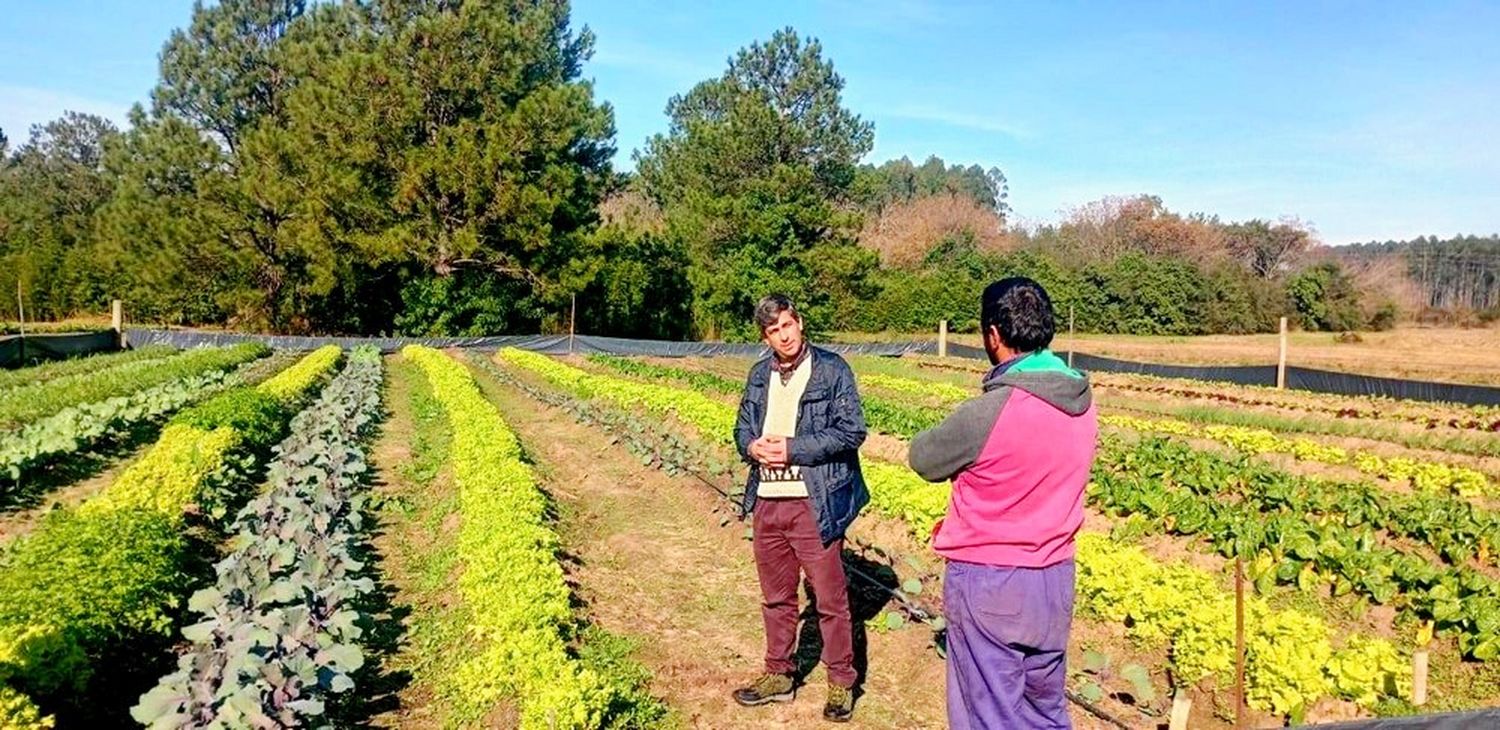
{"points": [[830, 429]]}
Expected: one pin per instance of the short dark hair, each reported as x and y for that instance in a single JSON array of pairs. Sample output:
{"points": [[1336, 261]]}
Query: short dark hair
{"points": [[1021, 310], [770, 307]]}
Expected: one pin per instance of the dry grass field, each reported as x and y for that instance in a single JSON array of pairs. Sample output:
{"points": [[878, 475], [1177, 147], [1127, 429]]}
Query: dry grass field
{"points": [[1419, 353]]}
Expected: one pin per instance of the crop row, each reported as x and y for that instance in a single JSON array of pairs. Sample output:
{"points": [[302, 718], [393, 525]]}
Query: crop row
{"points": [[1422, 475], [278, 629], [946, 392], [516, 598], [699, 380], [1456, 529], [75, 366], [882, 414], [77, 428], [1347, 407], [1290, 661], [1281, 677], [1297, 531], [28, 403], [115, 570]]}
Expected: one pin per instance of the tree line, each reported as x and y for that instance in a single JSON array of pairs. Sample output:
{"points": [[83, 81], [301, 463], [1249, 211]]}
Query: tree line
{"points": [[1456, 276], [418, 167]]}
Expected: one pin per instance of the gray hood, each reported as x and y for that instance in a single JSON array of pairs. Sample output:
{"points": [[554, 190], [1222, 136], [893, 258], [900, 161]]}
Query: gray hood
{"points": [[1067, 390]]}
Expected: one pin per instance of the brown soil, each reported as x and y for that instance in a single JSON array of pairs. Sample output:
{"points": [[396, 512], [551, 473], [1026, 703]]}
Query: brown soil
{"points": [[1296, 401], [417, 528]]}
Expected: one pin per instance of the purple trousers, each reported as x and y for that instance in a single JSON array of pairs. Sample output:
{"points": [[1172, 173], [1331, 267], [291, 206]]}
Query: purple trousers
{"points": [[1008, 645]]}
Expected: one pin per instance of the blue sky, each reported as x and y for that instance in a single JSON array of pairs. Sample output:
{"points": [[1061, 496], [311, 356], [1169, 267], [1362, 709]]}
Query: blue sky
{"points": [[1368, 120]]}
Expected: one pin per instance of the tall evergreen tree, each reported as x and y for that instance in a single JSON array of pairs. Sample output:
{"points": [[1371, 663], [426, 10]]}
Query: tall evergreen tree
{"points": [[50, 188], [452, 137], [754, 176]]}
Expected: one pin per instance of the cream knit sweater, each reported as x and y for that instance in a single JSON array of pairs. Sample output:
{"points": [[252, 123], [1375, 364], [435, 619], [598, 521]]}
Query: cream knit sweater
{"points": [[781, 420]]}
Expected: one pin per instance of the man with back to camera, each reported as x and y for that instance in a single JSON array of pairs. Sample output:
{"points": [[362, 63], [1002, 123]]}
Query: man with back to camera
{"points": [[1019, 456], [800, 426]]}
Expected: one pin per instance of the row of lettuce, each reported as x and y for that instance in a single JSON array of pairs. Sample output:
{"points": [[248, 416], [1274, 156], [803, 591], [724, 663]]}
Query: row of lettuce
{"points": [[516, 600], [24, 404], [47, 421], [1292, 659], [1474, 418], [114, 571], [78, 366], [1424, 476]]}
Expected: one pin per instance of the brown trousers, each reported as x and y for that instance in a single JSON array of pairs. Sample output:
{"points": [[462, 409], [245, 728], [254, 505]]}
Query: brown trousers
{"points": [[785, 534]]}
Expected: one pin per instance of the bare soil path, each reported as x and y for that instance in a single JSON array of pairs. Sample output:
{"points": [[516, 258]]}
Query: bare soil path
{"points": [[651, 561]]}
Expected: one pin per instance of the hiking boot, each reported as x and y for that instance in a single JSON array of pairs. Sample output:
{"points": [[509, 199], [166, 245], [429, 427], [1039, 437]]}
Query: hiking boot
{"points": [[766, 689], [840, 706]]}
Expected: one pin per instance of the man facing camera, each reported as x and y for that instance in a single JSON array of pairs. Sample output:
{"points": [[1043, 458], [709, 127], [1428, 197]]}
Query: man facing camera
{"points": [[800, 427], [1019, 456]]}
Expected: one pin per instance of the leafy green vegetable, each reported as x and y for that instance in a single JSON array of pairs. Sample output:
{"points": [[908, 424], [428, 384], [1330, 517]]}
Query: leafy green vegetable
{"points": [[284, 598], [28, 403]]}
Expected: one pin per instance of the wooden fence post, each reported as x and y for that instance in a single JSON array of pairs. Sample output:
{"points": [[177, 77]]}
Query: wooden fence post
{"points": [[21, 320], [1419, 677], [117, 322], [942, 338], [1182, 707], [1281, 361], [1072, 336], [572, 324]]}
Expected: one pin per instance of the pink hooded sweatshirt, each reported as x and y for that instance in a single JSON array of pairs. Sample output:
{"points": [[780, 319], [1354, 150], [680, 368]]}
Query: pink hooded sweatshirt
{"points": [[1019, 456]]}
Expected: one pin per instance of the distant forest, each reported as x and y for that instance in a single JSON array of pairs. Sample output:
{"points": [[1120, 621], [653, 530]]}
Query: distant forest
{"points": [[1459, 273]]}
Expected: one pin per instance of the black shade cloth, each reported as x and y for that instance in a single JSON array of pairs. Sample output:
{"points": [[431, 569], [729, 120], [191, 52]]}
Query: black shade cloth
{"points": [[546, 344], [1327, 381], [1238, 374], [19, 350]]}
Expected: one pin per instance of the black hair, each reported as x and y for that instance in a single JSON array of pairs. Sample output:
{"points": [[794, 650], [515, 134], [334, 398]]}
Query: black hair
{"points": [[770, 307], [1021, 310]]}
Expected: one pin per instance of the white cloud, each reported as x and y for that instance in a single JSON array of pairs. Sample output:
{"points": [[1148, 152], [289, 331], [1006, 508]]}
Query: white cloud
{"points": [[21, 107]]}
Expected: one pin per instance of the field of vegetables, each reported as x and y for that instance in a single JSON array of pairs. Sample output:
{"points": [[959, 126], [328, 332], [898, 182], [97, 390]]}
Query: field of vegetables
{"points": [[1389, 553], [236, 537]]}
